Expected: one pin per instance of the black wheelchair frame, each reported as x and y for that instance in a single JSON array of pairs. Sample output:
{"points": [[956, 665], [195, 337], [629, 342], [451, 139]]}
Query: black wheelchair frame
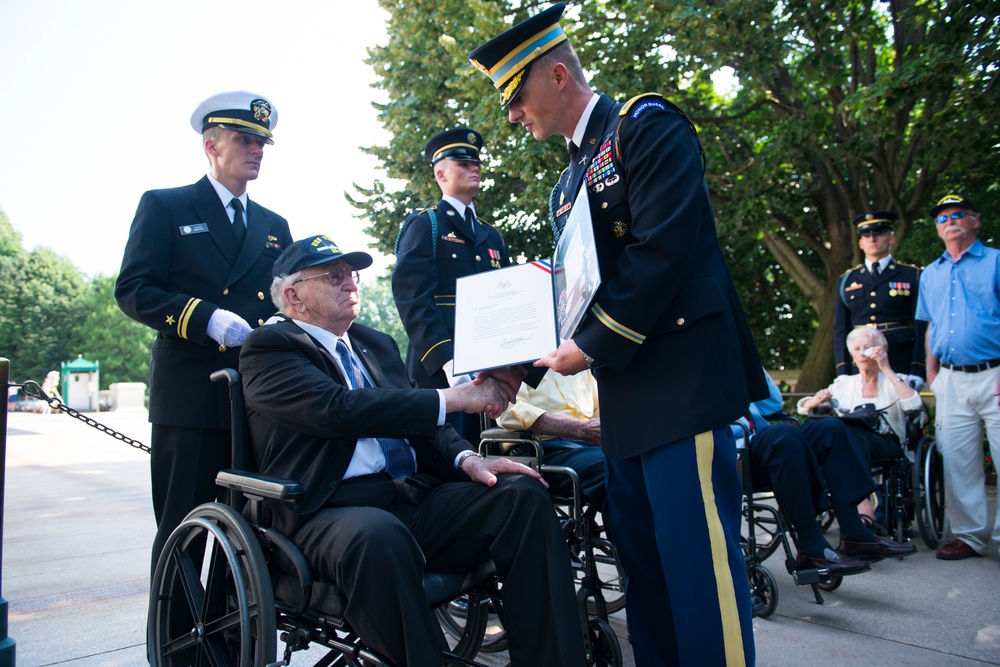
{"points": [[592, 554], [225, 586], [908, 489]]}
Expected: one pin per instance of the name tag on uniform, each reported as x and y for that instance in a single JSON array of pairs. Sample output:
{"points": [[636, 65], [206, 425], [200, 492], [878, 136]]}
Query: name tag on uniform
{"points": [[187, 230]]}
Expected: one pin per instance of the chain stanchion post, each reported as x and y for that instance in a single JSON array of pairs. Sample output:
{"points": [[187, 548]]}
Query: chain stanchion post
{"points": [[7, 645]]}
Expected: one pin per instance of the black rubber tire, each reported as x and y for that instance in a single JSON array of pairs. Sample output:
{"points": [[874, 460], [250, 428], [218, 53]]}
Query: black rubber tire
{"points": [[831, 585], [763, 589], [222, 614], [928, 492], [474, 623], [606, 651]]}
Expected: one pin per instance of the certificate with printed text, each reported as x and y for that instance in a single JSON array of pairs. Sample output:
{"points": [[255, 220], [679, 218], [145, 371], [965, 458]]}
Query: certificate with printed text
{"points": [[504, 317], [521, 313]]}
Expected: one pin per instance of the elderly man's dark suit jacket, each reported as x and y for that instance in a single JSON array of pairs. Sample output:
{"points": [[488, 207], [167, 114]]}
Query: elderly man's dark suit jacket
{"points": [[667, 324], [305, 421], [181, 263]]}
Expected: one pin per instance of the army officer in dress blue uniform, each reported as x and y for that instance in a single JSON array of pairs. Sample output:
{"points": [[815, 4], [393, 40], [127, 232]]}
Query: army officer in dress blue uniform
{"points": [[666, 337], [881, 292], [197, 269], [435, 247]]}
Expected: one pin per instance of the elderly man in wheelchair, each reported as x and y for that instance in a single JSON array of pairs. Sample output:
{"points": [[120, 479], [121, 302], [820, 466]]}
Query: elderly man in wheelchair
{"points": [[390, 491]]}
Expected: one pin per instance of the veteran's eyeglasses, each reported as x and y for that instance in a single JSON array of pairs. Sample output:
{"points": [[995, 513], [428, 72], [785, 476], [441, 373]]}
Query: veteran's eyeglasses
{"points": [[336, 278], [957, 215]]}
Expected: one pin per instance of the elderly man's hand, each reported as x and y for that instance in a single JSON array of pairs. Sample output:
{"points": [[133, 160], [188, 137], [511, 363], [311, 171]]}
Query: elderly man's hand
{"points": [[487, 395], [509, 377], [485, 471]]}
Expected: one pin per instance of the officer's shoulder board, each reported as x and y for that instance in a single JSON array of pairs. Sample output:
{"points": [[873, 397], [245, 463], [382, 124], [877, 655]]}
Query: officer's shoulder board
{"points": [[851, 270], [417, 212], [842, 287], [907, 265]]}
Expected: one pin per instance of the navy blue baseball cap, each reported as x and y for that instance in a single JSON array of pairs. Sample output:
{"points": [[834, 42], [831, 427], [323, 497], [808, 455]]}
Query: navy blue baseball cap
{"points": [[314, 251], [953, 200]]}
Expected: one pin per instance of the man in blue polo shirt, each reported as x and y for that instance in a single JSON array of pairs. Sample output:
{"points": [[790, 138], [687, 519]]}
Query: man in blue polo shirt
{"points": [[960, 299]]}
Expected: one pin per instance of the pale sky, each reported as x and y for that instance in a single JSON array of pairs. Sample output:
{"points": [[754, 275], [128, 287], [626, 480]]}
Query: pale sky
{"points": [[96, 98]]}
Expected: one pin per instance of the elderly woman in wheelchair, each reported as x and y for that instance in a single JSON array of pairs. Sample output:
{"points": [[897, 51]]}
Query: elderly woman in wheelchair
{"points": [[876, 404]]}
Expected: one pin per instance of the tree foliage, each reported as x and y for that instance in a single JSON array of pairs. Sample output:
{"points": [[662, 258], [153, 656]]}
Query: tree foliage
{"points": [[51, 313], [835, 107], [378, 309], [121, 344], [41, 313]]}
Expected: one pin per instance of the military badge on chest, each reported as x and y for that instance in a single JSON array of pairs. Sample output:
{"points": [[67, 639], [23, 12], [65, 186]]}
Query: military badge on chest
{"points": [[899, 289], [601, 172], [494, 257]]}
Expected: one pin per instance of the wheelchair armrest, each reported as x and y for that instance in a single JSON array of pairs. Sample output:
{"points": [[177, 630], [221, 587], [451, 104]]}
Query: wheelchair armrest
{"points": [[260, 486], [782, 416]]}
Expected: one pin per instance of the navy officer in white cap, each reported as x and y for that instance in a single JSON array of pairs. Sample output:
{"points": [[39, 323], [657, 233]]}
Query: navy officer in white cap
{"points": [[197, 269]]}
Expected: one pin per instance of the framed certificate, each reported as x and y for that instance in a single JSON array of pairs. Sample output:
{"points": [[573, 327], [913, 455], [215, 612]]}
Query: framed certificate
{"points": [[504, 317], [575, 271], [519, 314]]}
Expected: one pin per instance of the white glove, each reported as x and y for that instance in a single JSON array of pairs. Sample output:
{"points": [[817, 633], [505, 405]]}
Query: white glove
{"points": [[455, 380], [227, 328], [914, 381]]}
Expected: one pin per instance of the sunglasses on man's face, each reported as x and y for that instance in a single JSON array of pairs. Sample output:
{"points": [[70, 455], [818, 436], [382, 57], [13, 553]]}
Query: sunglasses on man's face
{"points": [[874, 232], [957, 215]]}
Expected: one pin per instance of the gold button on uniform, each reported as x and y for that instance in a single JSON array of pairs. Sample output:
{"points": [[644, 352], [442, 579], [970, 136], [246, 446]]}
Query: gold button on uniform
{"points": [[260, 295], [225, 292], [604, 204], [222, 348], [680, 321], [260, 323], [454, 256], [478, 258]]}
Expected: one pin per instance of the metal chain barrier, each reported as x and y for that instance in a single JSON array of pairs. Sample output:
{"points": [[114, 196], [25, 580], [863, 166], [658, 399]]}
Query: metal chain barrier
{"points": [[32, 388]]}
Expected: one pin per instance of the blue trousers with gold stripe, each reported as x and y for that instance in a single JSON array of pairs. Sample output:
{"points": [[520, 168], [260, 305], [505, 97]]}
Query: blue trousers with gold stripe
{"points": [[675, 514]]}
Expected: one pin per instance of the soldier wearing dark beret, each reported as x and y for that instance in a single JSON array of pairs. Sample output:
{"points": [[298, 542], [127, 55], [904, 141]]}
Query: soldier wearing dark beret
{"points": [[666, 337], [881, 293], [435, 247], [197, 269]]}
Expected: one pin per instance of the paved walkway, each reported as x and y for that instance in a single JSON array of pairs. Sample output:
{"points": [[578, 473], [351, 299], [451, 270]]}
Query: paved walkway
{"points": [[78, 527]]}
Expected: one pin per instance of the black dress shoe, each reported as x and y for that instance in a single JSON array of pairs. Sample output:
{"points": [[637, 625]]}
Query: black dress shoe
{"points": [[837, 564], [880, 548]]}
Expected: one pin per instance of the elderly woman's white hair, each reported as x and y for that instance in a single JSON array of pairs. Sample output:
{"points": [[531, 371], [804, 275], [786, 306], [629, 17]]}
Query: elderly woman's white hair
{"points": [[278, 286], [873, 337]]}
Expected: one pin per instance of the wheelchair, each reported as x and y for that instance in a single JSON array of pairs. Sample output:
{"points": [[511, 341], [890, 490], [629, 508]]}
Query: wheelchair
{"points": [[600, 579], [911, 487], [764, 531], [225, 586]]}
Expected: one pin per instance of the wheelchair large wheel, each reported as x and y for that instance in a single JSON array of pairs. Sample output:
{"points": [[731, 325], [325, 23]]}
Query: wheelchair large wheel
{"points": [[763, 591], [766, 531], [609, 571], [472, 621], [605, 650], [211, 601], [928, 492]]}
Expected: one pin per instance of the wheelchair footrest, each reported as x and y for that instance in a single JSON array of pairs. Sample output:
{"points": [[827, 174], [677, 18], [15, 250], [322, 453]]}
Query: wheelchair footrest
{"points": [[812, 576]]}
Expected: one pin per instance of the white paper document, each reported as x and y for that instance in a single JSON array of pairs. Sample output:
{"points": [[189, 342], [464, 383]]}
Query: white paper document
{"points": [[504, 317]]}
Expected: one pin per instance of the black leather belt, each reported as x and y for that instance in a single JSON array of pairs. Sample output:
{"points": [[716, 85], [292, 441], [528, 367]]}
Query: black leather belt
{"points": [[974, 368]]}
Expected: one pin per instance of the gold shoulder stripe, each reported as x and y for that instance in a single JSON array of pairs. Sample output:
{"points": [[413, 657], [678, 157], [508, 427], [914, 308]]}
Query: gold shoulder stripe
{"points": [[619, 329], [182, 321], [628, 105], [853, 268]]}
